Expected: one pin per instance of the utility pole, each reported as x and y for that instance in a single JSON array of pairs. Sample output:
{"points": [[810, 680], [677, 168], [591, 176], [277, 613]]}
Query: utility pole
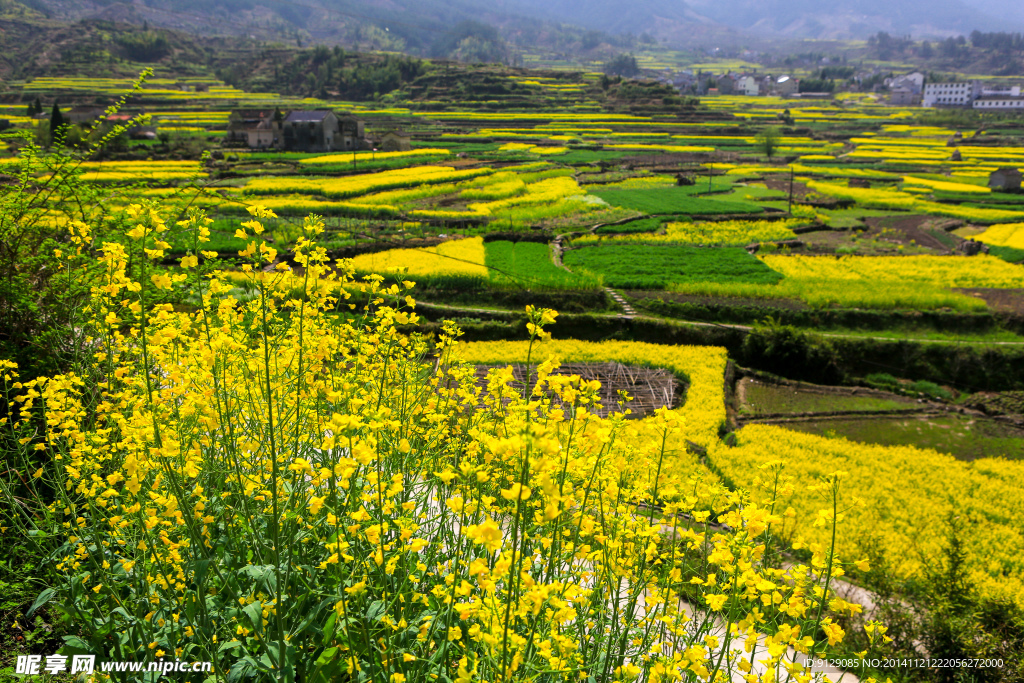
{"points": [[789, 209], [710, 166]]}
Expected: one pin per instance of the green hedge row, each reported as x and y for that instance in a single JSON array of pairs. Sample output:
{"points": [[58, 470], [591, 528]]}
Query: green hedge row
{"points": [[787, 351], [860, 319]]}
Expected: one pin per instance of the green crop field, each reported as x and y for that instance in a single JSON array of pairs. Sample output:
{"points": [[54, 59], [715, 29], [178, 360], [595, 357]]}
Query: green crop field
{"points": [[529, 265], [672, 200], [638, 226], [634, 266]]}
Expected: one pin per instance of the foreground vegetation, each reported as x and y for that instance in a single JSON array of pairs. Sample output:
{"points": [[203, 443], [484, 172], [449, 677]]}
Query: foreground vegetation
{"points": [[228, 425]]}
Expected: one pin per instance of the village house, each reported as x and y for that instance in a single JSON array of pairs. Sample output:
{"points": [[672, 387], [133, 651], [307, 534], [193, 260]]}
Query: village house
{"points": [[999, 99], [318, 130], [902, 97], [726, 84], [951, 94], [786, 85], [747, 85], [84, 114], [241, 121], [134, 128], [310, 131], [353, 134], [914, 82], [1006, 178], [394, 141]]}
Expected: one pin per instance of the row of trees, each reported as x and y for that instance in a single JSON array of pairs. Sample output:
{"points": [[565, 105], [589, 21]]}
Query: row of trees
{"points": [[320, 71]]}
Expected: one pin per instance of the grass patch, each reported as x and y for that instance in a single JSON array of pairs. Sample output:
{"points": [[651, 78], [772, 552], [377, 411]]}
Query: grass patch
{"points": [[962, 437], [769, 398], [669, 200], [528, 264], [1010, 254], [640, 266], [642, 225]]}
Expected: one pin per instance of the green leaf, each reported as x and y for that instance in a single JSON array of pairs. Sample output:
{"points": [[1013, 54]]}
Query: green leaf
{"points": [[230, 645], [254, 610], [313, 614], [327, 656], [200, 574], [329, 628], [243, 668], [376, 610], [41, 600], [74, 645]]}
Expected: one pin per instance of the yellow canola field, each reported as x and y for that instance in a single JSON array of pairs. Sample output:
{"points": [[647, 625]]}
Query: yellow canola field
{"points": [[1004, 235], [980, 270], [887, 282], [347, 157], [351, 186], [939, 271], [661, 148], [894, 199], [702, 414], [898, 502], [945, 186], [455, 257], [710, 233]]}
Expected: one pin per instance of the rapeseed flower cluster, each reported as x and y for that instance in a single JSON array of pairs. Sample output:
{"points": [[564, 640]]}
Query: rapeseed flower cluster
{"points": [[293, 490]]}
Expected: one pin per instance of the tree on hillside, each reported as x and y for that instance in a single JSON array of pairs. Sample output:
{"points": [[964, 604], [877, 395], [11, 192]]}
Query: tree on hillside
{"points": [[56, 118], [768, 140], [622, 65], [471, 41]]}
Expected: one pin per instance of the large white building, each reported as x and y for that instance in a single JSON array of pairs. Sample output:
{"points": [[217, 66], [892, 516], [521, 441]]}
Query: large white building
{"points": [[999, 102], [951, 94]]}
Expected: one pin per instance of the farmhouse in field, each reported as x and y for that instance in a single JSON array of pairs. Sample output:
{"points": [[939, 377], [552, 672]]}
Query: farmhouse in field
{"points": [[242, 121], [786, 85], [748, 85], [319, 130], [311, 131], [902, 97], [352, 132], [84, 114], [395, 141], [1006, 178]]}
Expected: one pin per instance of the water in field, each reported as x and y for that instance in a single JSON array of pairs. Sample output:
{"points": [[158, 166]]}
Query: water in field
{"points": [[878, 418], [964, 437], [761, 398]]}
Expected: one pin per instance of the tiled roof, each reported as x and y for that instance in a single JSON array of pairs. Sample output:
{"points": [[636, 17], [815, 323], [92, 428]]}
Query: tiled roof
{"points": [[307, 116]]}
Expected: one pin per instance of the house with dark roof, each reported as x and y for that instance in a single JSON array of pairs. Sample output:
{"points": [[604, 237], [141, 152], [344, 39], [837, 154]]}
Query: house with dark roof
{"points": [[319, 130], [241, 121], [311, 131], [353, 133], [395, 141], [1006, 178], [787, 85], [84, 114]]}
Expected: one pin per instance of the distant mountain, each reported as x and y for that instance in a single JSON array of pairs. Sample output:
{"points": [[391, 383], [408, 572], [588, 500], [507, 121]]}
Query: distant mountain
{"points": [[815, 19], [845, 19], [612, 16], [419, 26]]}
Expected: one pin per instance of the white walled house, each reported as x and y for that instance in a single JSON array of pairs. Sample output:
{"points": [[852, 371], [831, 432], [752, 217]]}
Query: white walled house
{"points": [[748, 85], [951, 94], [999, 102]]}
